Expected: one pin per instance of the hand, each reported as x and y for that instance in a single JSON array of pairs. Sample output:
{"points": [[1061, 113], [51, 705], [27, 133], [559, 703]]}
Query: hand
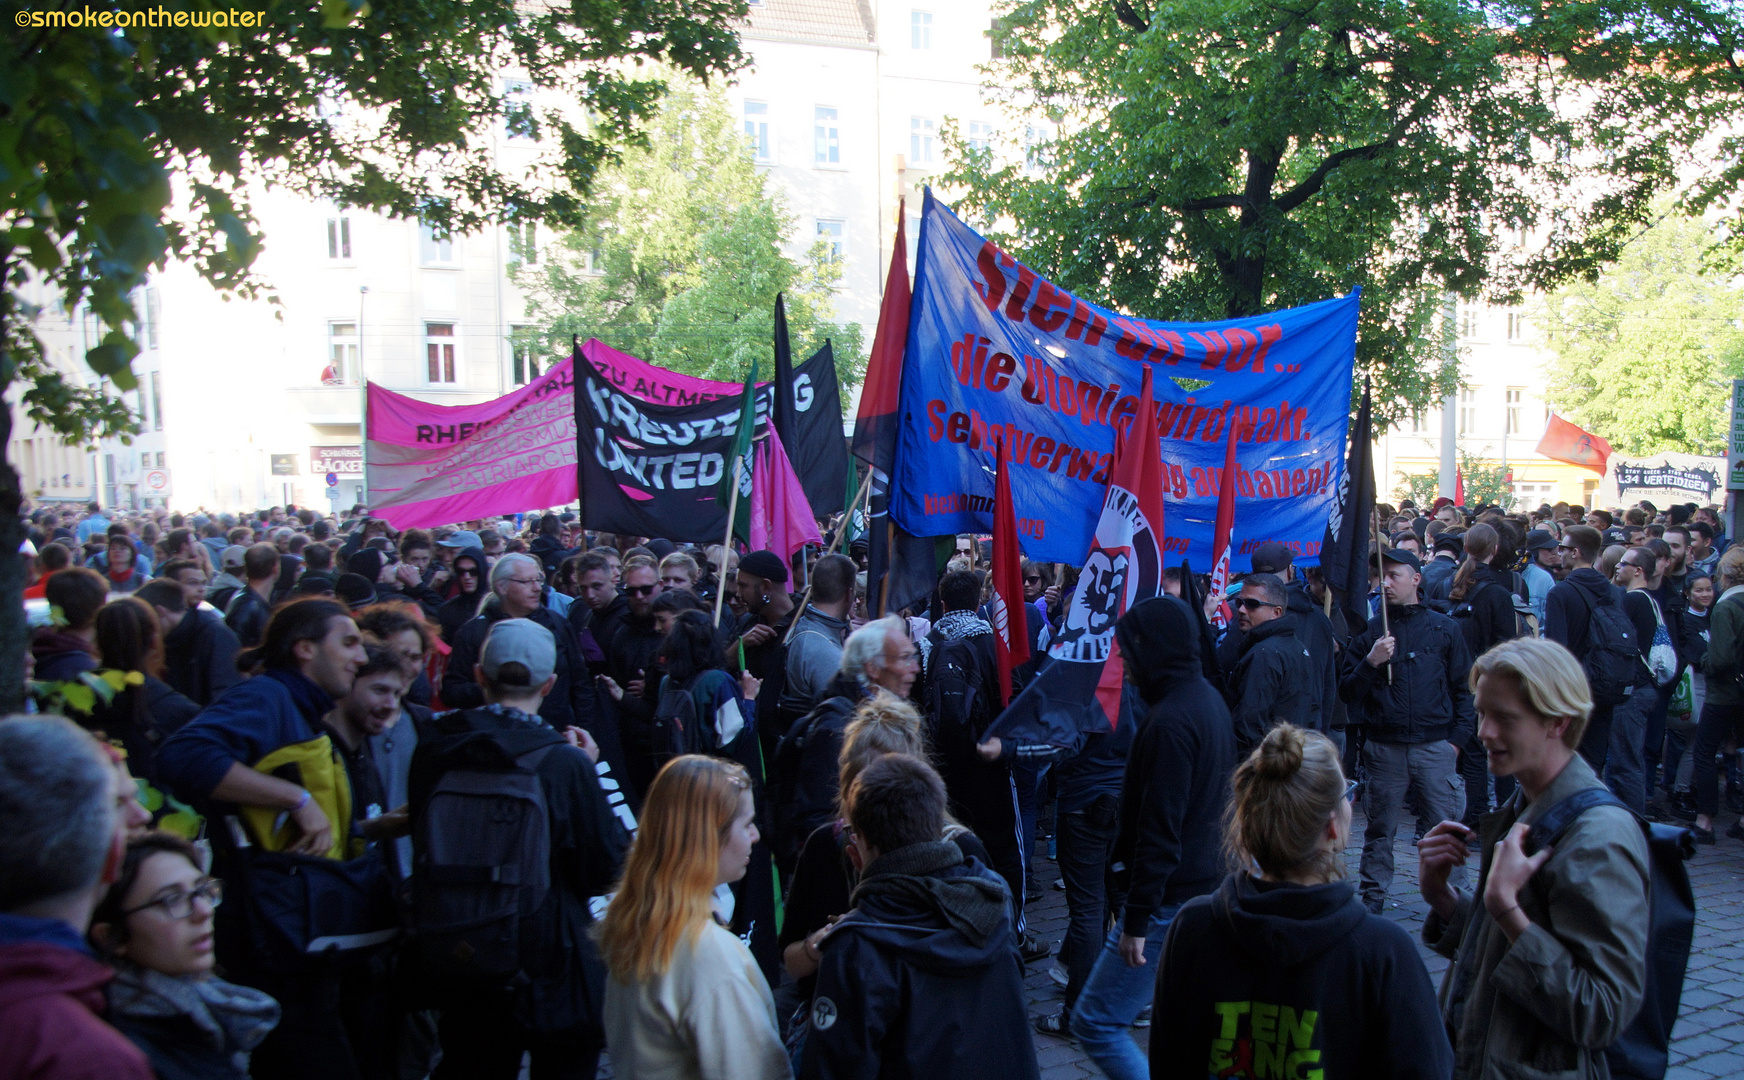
{"points": [[1509, 872], [1381, 653], [611, 687], [1212, 603], [990, 749], [440, 577], [639, 683], [581, 740], [757, 635], [1051, 594], [396, 822], [749, 685], [1440, 850], [1132, 950], [315, 831], [408, 575]]}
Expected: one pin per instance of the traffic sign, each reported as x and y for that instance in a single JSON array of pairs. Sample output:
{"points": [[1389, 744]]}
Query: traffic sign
{"points": [[156, 481]]}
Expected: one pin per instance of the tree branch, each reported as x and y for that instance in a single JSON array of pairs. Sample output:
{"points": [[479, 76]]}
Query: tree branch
{"points": [[1311, 185], [1125, 13], [1215, 202]]}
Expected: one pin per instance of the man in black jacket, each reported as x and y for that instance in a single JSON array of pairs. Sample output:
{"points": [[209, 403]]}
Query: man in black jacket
{"points": [[1314, 632], [554, 1013], [1169, 845], [548, 547], [633, 685], [1410, 679], [1568, 613], [1272, 682], [250, 608], [199, 650]]}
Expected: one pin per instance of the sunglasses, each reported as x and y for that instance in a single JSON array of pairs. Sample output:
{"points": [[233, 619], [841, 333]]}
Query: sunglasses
{"points": [[640, 590], [1249, 603], [1031, 580]]}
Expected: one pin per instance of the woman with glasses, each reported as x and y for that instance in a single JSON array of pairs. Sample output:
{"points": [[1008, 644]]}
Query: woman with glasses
{"points": [[1282, 964], [154, 926]]}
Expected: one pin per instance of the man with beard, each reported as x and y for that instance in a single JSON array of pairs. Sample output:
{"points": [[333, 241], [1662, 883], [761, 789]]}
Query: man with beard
{"points": [[633, 660]]}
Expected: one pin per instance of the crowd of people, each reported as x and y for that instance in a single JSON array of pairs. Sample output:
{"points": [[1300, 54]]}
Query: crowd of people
{"points": [[517, 790]]}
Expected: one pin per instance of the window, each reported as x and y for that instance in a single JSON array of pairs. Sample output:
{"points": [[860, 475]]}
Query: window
{"points": [[524, 360], [1468, 321], [920, 30], [156, 405], [1419, 423], [439, 353], [757, 130], [834, 232], [980, 135], [145, 459], [826, 137], [434, 250], [1516, 325], [160, 459], [341, 367], [996, 35], [1035, 155], [339, 239], [153, 315], [524, 242], [1512, 418], [1468, 411], [921, 133], [518, 119]]}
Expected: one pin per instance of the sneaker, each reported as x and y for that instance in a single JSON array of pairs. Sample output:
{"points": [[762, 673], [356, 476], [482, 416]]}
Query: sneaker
{"points": [[1060, 976], [1059, 884], [1683, 806], [1374, 904], [1033, 948], [1703, 836], [1059, 1024], [1144, 1018]]}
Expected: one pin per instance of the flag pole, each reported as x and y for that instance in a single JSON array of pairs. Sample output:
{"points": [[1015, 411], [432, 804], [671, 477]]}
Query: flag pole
{"points": [[835, 542], [1381, 568], [727, 541]]}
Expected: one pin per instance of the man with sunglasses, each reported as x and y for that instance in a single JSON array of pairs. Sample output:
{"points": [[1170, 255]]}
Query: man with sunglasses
{"points": [[1272, 682], [633, 661]]}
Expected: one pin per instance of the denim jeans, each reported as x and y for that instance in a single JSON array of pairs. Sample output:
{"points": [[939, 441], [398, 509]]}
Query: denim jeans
{"points": [[1086, 837], [1625, 759], [1113, 997]]}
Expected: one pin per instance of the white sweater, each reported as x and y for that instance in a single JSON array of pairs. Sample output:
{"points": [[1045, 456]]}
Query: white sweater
{"points": [[709, 1017]]}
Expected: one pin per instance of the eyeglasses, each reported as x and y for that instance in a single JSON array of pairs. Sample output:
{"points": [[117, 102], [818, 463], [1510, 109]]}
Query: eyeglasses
{"points": [[1031, 580], [180, 905], [640, 590], [1250, 603], [532, 581], [1351, 788], [1566, 547]]}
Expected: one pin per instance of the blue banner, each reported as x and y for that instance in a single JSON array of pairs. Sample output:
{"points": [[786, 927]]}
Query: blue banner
{"points": [[997, 352]]}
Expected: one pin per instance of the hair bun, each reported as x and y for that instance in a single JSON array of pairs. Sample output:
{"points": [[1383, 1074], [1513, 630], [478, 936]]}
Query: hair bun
{"points": [[1280, 755]]}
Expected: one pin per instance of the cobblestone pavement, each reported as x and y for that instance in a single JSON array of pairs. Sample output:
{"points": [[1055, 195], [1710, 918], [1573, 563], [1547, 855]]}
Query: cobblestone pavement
{"points": [[1708, 1040]]}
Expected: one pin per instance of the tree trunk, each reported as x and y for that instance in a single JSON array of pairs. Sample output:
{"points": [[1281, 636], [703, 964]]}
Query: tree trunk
{"points": [[14, 635]]}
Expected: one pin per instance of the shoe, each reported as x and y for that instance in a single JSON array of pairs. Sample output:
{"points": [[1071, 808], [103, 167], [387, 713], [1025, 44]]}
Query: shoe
{"points": [[1033, 948], [1703, 836], [1736, 832], [1144, 1018], [1059, 1024], [1682, 806], [1059, 975], [1374, 904], [1735, 799], [1059, 884]]}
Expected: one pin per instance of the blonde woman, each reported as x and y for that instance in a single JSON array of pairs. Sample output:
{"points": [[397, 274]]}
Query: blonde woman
{"points": [[685, 1000], [1282, 962]]}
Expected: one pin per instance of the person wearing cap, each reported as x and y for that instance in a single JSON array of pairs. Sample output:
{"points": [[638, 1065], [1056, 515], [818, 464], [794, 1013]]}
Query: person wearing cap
{"points": [[1272, 682], [484, 1030], [1568, 612], [1542, 562], [1416, 718], [761, 642], [1439, 570], [229, 579]]}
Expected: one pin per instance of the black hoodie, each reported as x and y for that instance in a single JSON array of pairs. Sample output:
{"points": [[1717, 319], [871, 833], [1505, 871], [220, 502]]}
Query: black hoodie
{"points": [[460, 609], [1568, 608], [1274, 979], [1177, 772], [1273, 683]]}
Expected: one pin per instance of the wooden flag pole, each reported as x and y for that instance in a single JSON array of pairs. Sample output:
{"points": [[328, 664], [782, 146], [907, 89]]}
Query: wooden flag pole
{"points": [[835, 542], [1380, 567], [727, 541]]}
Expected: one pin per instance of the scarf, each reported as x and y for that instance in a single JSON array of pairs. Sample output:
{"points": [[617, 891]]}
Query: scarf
{"points": [[972, 905], [230, 1019], [955, 625]]}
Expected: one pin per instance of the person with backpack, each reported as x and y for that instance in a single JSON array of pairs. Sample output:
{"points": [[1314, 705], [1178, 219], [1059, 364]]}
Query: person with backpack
{"points": [[1584, 614], [1483, 605], [1625, 758], [1723, 668], [513, 841], [1550, 948]]}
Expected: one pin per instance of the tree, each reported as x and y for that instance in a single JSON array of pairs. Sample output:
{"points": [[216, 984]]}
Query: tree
{"points": [[1217, 158], [391, 109], [679, 259], [1485, 484], [1646, 355]]}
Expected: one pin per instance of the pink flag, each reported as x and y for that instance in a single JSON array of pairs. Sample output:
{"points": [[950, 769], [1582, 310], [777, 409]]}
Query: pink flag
{"points": [[781, 518]]}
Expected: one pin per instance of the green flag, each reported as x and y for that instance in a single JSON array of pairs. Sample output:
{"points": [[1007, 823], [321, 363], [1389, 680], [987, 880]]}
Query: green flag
{"points": [[741, 457], [854, 517]]}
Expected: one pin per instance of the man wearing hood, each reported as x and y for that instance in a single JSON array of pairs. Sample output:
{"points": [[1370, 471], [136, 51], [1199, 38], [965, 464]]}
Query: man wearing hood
{"points": [[1170, 841], [1272, 682], [921, 977], [469, 572], [1409, 675]]}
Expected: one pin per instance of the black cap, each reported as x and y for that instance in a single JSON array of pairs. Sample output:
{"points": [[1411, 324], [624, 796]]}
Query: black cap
{"points": [[764, 564], [1453, 540], [1400, 555], [356, 590], [1539, 540], [1272, 557]]}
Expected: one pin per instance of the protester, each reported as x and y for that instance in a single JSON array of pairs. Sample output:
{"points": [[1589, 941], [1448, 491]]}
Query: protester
{"points": [[1549, 949], [1418, 713], [546, 1003], [60, 845], [684, 997], [146, 710], [199, 650], [634, 680], [1273, 680], [1171, 808], [68, 648], [1282, 962], [1568, 621], [814, 647], [154, 927], [1722, 667], [1542, 566], [679, 571], [230, 578], [469, 594], [921, 977], [1315, 633], [123, 567], [250, 607], [1482, 595]]}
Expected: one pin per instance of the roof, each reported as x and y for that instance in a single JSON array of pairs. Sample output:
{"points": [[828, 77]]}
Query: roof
{"points": [[831, 22]]}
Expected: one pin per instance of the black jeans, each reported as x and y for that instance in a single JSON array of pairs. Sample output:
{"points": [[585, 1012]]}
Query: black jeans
{"points": [[1474, 770], [1085, 839], [1716, 725], [1595, 743], [483, 1041]]}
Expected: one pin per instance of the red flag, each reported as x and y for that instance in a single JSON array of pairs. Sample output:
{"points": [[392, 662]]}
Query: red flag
{"points": [[1564, 441], [1138, 471], [1010, 624], [1220, 537], [1458, 486], [881, 396]]}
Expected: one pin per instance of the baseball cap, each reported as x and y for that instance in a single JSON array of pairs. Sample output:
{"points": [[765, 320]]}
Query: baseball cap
{"points": [[519, 641], [1539, 539], [1400, 555], [233, 556], [462, 539], [1271, 557]]}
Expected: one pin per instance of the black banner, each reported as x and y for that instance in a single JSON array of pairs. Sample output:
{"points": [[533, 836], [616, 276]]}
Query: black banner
{"points": [[1345, 556], [1665, 476], [817, 448]]}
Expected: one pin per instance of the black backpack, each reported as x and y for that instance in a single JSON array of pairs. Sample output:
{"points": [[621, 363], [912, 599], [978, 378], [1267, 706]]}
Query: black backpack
{"points": [[481, 870], [1641, 1052], [1613, 653]]}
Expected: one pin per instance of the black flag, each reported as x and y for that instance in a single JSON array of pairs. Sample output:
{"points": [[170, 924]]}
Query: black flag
{"points": [[808, 416], [1344, 557]]}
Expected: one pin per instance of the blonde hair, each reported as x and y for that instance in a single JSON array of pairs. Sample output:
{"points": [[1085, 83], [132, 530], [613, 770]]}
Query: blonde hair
{"points": [[883, 724], [669, 876], [1284, 794], [1731, 568], [1547, 676]]}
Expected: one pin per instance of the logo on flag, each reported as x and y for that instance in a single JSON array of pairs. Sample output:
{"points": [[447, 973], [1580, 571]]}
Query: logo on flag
{"points": [[1125, 562]]}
